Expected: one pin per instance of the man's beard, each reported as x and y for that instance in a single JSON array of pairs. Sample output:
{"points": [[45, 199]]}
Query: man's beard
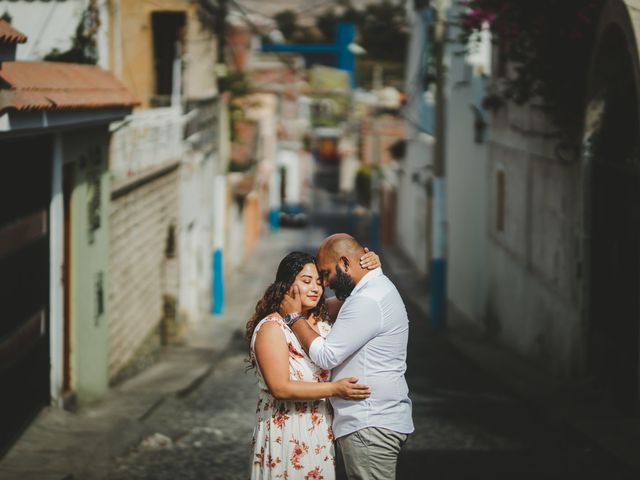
{"points": [[342, 284]]}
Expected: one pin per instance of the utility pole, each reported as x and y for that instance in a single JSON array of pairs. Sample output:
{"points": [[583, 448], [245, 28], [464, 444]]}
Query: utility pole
{"points": [[219, 186], [439, 237], [221, 27]]}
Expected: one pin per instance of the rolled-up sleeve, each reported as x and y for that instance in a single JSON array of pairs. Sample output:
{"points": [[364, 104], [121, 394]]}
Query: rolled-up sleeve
{"points": [[359, 320]]}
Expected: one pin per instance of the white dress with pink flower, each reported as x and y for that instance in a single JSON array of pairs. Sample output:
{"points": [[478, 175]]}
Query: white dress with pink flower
{"points": [[293, 439]]}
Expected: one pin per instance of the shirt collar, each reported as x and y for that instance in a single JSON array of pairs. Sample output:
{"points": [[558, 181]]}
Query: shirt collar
{"points": [[364, 280]]}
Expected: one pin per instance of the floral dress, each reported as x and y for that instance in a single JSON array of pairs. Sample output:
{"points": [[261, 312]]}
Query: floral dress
{"points": [[293, 439]]}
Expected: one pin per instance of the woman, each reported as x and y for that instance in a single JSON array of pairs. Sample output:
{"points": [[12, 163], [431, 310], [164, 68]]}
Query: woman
{"points": [[292, 438]]}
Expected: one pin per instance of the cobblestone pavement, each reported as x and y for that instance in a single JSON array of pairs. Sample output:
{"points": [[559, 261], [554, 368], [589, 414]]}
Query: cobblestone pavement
{"points": [[206, 433], [468, 426]]}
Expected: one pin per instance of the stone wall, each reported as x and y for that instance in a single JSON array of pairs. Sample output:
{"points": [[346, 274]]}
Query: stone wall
{"points": [[142, 259]]}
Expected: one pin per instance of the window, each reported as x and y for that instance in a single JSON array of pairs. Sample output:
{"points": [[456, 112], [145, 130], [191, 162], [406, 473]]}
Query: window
{"points": [[168, 31]]}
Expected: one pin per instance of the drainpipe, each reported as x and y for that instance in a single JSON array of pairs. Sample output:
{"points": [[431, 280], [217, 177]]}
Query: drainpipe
{"points": [[56, 265], [274, 198], [219, 202]]}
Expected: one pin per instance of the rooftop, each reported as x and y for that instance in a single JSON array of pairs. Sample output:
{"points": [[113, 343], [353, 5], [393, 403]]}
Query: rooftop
{"points": [[52, 86], [8, 34]]}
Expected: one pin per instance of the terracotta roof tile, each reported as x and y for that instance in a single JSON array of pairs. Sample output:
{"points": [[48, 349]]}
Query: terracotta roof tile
{"points": [[59, 86], [8, 34]]}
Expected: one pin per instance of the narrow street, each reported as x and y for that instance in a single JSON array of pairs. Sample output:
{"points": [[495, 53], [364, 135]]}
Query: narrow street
{"points": [[160, 158], [468, 426]]}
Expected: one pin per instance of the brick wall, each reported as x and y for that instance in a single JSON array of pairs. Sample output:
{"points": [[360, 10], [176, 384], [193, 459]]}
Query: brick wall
{"points": [[141, 272]]}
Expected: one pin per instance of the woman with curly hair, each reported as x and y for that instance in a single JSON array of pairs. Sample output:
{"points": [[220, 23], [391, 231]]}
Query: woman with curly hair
{"points": [[292, 437]]}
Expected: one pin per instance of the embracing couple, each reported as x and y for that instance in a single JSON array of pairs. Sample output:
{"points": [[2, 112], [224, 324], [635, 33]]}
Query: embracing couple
{"points": [[349, 349]]}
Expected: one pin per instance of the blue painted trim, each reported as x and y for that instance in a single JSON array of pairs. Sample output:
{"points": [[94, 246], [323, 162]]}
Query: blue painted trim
{"points": [[345, 60], [274, 219], [217, 303], [438, 293]]}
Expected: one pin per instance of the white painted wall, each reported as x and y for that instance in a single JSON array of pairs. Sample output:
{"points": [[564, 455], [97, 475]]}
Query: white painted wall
{"points": [[146, 140], [196, 235], [467, 188], [532, 303], [413, 233], [518, 284], [52, 24], [199, 59]]}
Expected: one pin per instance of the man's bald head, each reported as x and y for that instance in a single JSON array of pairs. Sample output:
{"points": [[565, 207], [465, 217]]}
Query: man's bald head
{"points": [[340, 245], [338, 262]]}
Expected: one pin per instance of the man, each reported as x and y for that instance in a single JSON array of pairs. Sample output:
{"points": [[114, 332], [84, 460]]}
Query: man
{"points": [[367, 341]]}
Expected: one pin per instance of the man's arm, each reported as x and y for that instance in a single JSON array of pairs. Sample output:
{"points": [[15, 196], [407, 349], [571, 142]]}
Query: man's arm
{"points": [[272, 356], [359, 321]]}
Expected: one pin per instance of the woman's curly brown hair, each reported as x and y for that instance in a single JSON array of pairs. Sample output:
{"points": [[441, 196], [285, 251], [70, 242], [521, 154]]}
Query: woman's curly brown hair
{"points": [[289, 268]]}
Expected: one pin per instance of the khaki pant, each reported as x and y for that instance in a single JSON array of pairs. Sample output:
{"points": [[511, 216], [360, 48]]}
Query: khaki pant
{"points": [[371, 453]]}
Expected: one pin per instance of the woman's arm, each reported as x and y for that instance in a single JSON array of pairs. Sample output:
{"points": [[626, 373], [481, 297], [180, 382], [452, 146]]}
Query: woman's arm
{"points": [[370, 260], [272, 355]]}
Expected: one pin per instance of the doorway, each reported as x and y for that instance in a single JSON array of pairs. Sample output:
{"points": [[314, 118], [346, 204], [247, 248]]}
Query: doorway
{"points": [[614, 280], [25, 193]]}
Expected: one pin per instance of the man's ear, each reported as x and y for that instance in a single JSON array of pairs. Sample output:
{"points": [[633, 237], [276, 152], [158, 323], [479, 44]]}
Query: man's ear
{"points": [[345, 263]]}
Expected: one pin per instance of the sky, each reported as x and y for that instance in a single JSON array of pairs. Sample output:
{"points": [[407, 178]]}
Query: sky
{"points": [[305, 8]]}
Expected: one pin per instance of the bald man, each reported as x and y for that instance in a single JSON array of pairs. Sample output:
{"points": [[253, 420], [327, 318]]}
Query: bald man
{"points": [[367, 341]]}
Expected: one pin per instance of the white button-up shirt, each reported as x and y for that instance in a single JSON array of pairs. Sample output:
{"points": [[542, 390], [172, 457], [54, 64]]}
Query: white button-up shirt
{"points": [[369, 341]]}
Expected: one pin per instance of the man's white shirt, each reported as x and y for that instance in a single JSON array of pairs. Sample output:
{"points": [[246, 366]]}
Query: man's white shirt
{"points": [[369, 341]]}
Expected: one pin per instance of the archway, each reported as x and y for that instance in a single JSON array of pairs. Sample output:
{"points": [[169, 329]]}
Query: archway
{"points": [[612, 139]]}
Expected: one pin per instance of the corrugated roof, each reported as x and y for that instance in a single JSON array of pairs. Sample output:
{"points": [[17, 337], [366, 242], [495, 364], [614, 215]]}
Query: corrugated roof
{"points": [[8, 34], [54, 86]]}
